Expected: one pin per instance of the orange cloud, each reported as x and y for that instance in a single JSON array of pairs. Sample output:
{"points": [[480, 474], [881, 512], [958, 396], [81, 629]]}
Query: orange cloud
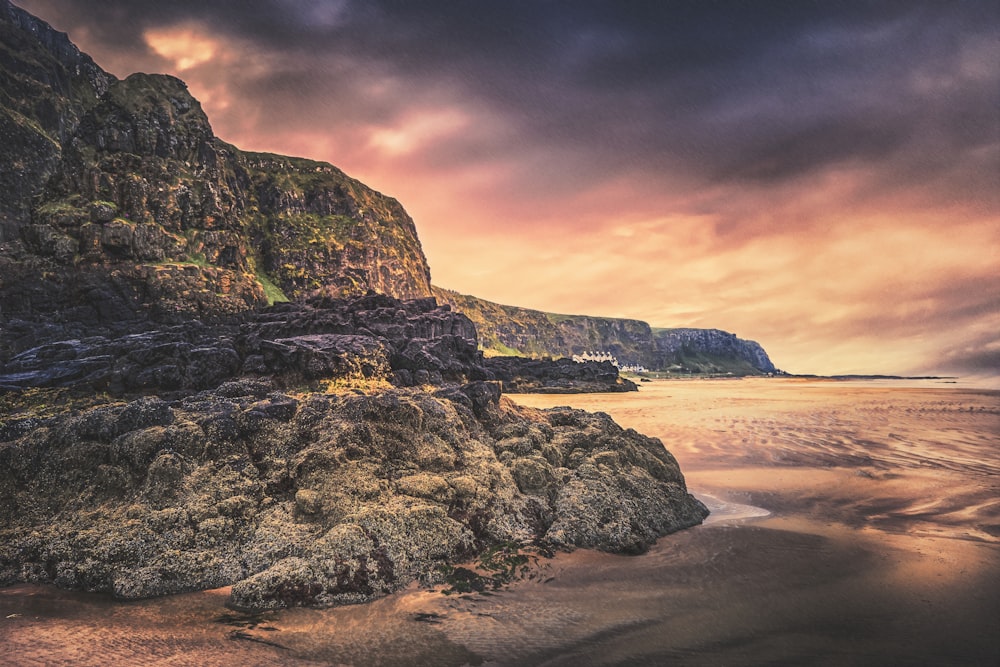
{"points": [[184, 46], [826, 285], [416, 130]]}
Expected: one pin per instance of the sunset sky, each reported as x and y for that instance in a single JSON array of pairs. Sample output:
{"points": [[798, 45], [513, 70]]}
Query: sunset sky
{"points": [[822, 177]]}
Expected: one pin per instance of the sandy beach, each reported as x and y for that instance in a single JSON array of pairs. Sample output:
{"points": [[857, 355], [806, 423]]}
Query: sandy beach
{"points": [[853, 524]]}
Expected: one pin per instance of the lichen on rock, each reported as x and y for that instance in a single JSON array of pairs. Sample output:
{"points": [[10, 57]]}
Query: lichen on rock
{"points": [[335, 504]]}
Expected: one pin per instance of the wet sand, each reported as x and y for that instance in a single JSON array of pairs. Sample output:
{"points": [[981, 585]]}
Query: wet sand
{"points": [[854, 524]]}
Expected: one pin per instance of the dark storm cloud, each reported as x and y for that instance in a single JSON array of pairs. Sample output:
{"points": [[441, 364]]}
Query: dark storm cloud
{"points": [[731, 90], [980, 357], [721, 90]]}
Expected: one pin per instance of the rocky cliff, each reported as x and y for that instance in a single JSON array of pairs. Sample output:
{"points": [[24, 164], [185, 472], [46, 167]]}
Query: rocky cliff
{"points": [[511, 330], [710, 349], [118, 193]]}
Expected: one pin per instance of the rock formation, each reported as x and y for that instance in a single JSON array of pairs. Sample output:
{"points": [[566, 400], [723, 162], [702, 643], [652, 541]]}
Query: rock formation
{"points": [[163, 430], [298, 494], [507, 330], [316, 499]]}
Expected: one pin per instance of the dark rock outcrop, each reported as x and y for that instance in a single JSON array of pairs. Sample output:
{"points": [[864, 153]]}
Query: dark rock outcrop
{"points": [[318, 499], [520, 375], [370, 338]]}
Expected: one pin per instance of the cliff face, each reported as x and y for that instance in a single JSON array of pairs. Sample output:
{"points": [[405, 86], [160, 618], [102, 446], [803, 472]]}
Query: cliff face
{"points": [[522, 331], [512, 330], [46, 85], [684, 345], [121, 195]]}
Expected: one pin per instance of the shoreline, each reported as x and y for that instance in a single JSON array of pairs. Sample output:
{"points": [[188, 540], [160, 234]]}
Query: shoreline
{"points": [[971, 382], [882, 546]]}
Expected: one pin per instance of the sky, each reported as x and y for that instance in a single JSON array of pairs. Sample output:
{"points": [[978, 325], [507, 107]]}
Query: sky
{"points": [[821, 177]]}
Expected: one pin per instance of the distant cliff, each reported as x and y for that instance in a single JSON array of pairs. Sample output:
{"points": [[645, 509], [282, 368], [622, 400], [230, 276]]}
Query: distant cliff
{"points": [[510, 330], [708, 347], [121, 197]]}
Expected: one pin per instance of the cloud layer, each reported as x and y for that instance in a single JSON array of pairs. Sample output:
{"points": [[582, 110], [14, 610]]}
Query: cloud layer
{"points": [[821, 177]]}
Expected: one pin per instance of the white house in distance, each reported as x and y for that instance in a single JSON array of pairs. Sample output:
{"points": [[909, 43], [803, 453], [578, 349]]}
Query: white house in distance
{"points": [[607, 356]]}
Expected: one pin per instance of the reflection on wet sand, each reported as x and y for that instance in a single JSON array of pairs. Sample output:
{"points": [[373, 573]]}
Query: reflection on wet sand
{"points": [[727, 511], [854, 524]]}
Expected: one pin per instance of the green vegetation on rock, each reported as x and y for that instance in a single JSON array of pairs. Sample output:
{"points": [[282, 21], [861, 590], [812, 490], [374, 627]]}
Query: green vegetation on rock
{"points": [[272, 292]]}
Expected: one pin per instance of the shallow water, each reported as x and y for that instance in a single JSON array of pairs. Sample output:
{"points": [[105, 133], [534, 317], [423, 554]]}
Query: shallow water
{"points": [[881, 545]]}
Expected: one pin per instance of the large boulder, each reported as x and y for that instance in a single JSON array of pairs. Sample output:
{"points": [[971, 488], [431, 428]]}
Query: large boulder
{"points": [[327, 499]]}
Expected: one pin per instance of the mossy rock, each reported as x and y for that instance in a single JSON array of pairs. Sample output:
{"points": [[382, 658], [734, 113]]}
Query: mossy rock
{"points": [[102, 211]]}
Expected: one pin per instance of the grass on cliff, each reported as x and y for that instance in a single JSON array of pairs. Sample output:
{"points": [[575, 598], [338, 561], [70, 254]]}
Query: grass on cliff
{"points": [[495, 348], [30, 124], [44, 402], [299, 231], [272, 292], [690, 363]]}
